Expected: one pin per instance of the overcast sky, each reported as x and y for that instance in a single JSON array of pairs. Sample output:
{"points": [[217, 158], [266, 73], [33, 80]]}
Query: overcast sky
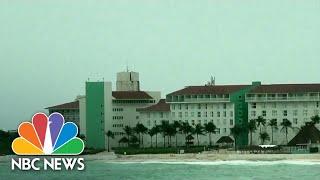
{"points": [[49, 49]]}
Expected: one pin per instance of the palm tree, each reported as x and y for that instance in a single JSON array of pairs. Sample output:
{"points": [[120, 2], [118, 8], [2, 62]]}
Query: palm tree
{"points": [[143, 131], [186, 129], [199, 130], [273, 124], [109, 135], [171, 131], [177, 126], [151, 133], [315, 119], [235, 132], [264, 137], [140, 129], [210, 128], [286, 124], [252, 127], [128, 131], [164, 128], [157, 130], [260, 122]]}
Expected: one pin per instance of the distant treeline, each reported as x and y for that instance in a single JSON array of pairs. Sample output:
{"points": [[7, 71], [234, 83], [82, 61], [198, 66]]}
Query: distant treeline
{"points": [[6, 139]]}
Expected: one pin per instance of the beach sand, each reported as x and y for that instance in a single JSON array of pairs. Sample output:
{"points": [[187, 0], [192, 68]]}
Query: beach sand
{"points": [[205, 156]]}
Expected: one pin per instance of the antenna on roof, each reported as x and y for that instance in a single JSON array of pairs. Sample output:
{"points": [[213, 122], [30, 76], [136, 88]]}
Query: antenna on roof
{"points": [[212, 81], [127, 66]]}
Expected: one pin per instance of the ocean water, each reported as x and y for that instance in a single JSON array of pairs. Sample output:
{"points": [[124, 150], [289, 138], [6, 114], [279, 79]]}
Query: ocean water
{"points": [[176, 170]]}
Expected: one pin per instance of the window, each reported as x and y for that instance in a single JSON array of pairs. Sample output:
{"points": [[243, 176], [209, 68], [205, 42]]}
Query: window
{"points": [[218, 130], [187, 107], [253, 113], [192, 122], [211, 113], [173, 107], [206, 105], [263, 105], [173, 114], [295, 121], [180, 106], [199, 106], [231, 113], [254, 105], [205, 114], [305, 112], [186, 114], [264, 113], [224, 114], [224, 130], [180, 114], [231, 122], [274, 112], [274, 105], [224, 106], [161, 114], [137, 117], [199, 114], [218, 121], [295, 112], [317, 104], [285, 113], [205, 121], [218, 114]]}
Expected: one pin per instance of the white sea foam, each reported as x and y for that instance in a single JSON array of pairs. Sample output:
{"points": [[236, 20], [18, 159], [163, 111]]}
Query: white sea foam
{"points": [[232, 162]]}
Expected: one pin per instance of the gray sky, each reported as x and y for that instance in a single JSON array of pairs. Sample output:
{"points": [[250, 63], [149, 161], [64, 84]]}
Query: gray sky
{"points": [[49, 49]]}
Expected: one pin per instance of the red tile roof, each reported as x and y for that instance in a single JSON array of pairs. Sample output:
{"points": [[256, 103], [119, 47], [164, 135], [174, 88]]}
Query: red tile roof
{"points": [[217, 89], [161, 106], [69, 105], [286, 88], [131, 95]]}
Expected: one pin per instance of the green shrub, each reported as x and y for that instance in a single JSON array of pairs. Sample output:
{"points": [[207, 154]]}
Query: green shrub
{"points": [[314, 150]]}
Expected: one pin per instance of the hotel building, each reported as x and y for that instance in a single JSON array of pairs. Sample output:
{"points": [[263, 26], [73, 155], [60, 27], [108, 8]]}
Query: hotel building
{"points": [[107, 110], [102, 109], [295, 102]]}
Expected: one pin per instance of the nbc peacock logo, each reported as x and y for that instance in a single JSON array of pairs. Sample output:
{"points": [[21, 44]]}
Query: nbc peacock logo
{"points": [[47, 136]]}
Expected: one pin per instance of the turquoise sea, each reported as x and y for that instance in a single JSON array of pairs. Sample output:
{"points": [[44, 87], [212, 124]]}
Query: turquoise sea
{"points": [[177, 170]]}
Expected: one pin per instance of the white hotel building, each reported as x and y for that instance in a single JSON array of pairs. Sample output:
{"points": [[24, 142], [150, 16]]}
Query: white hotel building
{"points": [[295, 102], [103, 109]]}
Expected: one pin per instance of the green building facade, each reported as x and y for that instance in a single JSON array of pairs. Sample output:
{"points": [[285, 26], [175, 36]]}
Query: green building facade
{"points": [[95, 123]]}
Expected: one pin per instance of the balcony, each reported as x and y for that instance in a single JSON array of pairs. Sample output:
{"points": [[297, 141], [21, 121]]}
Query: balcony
{"points": [[199, 100], [282, 98]]}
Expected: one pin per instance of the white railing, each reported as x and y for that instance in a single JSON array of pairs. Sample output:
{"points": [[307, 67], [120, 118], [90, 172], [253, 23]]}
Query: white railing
{"points": [[304, 98], [202, 100]]}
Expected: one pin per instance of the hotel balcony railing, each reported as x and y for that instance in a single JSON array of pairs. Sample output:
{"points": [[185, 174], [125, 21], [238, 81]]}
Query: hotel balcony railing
{"points": [[195, 100], [304, 98]]}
